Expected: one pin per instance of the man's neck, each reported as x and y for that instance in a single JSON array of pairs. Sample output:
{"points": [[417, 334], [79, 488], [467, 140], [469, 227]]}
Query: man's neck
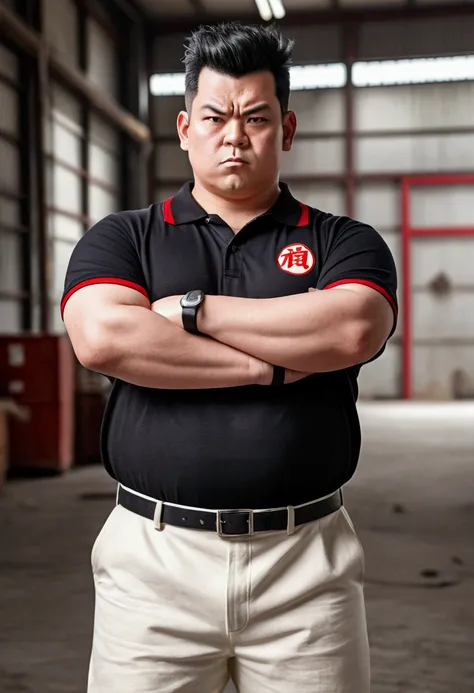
{"points": [[236, 213]]}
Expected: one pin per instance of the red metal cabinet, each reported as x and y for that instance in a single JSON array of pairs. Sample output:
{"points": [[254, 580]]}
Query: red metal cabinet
{"points": [[38, 372]]}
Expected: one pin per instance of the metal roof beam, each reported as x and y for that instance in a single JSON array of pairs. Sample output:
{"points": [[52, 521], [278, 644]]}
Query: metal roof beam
{"points": [[165, 25]]}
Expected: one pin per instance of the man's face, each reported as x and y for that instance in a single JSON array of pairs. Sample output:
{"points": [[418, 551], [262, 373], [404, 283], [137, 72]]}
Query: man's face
{"points": [[236, 133]]}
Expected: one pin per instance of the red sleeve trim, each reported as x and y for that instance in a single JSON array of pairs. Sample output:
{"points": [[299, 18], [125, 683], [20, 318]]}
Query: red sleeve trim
{"points": [[102, 280], [365, 282], [167, 212], [304, 218]]}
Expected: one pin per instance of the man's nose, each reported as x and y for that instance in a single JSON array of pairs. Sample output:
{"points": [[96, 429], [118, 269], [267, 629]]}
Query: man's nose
{"points": [[235, 135]]}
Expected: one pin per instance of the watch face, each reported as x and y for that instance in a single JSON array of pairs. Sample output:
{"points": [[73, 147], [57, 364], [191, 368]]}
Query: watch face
{"points": [[193, 298]]}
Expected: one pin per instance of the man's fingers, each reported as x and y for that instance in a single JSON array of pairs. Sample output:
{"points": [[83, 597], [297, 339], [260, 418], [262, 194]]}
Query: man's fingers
{"points": [[294, 376]]}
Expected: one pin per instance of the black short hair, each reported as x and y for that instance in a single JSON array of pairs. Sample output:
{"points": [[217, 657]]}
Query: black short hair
{"points": [[234, 49]]}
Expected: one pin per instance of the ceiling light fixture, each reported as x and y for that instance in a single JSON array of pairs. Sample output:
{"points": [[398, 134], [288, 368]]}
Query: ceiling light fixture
{"points": [[413, 71], [330, 76], [277, 8], [264, 9]]}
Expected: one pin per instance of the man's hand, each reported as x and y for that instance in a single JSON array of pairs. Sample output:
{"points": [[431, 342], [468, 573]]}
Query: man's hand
{"points": [[264, 373], [170, 308], [292, 376]]}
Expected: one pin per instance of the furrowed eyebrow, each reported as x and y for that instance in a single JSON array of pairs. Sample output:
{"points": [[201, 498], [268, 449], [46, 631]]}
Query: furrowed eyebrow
{"points": [[214, 109], [249, 111], [256, 109]]}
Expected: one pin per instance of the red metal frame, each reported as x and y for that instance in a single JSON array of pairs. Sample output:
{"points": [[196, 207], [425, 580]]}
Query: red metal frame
{"points": [[409, 232]]}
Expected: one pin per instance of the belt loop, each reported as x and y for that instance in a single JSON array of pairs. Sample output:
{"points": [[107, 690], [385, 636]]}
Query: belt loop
{"points": [[159, 526], [290, 526]]}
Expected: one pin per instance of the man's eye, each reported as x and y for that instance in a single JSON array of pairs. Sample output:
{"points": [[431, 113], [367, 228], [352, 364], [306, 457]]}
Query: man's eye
{"points": [[257, 119], [214, 119]]}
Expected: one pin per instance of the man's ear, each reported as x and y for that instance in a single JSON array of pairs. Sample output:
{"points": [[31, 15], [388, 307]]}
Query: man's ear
{"points": [[289, 130], [183, 128]]}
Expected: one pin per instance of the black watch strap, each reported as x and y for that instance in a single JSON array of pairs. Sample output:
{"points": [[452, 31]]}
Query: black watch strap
{"points": [[189, 317], [278, 376]]}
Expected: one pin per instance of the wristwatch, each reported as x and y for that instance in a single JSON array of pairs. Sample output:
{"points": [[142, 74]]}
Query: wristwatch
{"points": [[190, 303]]}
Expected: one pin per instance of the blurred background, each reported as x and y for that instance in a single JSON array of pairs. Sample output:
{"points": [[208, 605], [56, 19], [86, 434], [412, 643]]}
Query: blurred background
{"points": [[384, 94]]}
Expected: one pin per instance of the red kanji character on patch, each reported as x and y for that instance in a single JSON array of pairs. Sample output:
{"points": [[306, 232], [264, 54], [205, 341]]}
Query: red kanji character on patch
{"points": [[297, 256], [296, 259]]}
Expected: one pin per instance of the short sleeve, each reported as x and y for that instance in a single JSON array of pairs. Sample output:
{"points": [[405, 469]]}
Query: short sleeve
{"points": [[106, 254], [357, 254]]}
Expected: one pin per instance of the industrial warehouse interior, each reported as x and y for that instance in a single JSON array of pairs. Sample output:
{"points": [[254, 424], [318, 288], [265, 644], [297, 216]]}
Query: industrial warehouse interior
{"points": [[383, 92]]}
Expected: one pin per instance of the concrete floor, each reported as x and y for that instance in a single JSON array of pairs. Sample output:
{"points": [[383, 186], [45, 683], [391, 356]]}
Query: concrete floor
{"points": [[412, 501]]}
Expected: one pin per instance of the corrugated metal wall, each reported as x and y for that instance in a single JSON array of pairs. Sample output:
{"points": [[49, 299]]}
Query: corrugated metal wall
{"points": [[102, 59], [104, 147], [12, 232], [395, 134], [443, 294], [63, 143], [171, 165], [71, 138], [82, 149], [419, 111], [59, 22], [423, 126], [104, 169], [73, 133]]}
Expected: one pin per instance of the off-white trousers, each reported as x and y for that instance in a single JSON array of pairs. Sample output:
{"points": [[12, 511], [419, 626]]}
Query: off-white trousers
{"points": [[182, 610]]}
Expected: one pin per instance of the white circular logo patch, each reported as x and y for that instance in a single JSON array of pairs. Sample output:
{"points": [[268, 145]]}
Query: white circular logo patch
{"points": [[296, 259]]}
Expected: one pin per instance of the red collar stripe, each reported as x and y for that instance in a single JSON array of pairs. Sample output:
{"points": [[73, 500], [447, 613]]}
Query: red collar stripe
{"points": [[167, 212], [304, 218], [169, 218]]}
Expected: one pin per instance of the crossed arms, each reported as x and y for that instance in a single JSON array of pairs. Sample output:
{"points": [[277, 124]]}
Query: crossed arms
{"points": [[115, 331]]}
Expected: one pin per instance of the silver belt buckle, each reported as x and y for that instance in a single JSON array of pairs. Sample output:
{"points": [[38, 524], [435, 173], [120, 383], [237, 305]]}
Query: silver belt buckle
{"points": [[220, 522]]}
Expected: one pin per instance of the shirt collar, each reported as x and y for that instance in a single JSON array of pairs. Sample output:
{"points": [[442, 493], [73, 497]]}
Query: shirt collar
{"points": [[184, 209]]}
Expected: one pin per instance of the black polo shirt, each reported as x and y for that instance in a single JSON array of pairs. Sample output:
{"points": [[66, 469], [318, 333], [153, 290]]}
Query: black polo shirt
{"points": [[240, 447]]}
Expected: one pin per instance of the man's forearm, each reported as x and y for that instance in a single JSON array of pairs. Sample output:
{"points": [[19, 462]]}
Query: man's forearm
{"points": [[143, 348], [315, 332]]}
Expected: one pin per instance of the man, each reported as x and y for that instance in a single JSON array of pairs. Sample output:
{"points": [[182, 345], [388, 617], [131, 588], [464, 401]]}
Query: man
{"points": [[233, 321]]}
